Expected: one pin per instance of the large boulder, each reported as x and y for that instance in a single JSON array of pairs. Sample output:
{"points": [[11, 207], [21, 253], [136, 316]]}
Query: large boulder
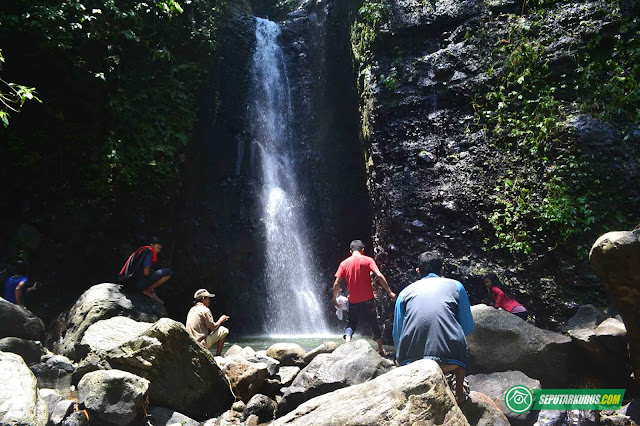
{"points": [[51, 397], [183, 374], [496, 385], [110, 333], [289, 354], [113, 396], [413, 394], [352, 363], [615, 256], [246, 378], [480, 410], [61, 411], [502, 341], [20, 402], [100, 302], [29, 350], [19, 322]]}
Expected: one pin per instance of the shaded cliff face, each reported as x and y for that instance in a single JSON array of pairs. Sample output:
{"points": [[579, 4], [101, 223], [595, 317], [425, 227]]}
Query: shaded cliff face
{"points": [[439, 172], [220, 234]]}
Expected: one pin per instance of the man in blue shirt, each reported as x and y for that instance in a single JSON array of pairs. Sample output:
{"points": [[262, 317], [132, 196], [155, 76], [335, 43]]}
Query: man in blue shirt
{"points": [[432, 318], [17, 286]]}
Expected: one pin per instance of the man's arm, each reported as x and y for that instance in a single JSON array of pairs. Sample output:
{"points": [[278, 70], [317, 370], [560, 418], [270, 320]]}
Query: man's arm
{"points": [[383, 282], [336, 289], [464, 316], [19, 289]]}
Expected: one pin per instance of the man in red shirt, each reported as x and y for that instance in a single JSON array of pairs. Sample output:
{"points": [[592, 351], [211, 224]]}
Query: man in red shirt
{"points": [[356, 270]]}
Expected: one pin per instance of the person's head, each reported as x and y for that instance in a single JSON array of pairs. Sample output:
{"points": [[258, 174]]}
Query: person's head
{"points": [[202, 295], [430, 262], [156, 244], [356, 245], [21, 267], [491, 279]]}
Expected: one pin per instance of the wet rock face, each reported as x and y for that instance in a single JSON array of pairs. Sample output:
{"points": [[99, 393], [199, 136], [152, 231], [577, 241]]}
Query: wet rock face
{"points": [[18, 322], [432, 170], [614, 257]]}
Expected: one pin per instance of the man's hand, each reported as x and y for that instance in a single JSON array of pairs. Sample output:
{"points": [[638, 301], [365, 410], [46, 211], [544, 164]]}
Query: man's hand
{"points": [[393, 296], [336, 304], [222, 319]]}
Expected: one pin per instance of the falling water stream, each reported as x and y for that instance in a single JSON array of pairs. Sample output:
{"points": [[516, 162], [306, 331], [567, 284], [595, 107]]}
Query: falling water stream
{"points": [[292, 282]]}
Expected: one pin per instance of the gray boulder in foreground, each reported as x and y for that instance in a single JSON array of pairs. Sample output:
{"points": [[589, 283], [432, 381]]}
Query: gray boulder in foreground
{"points": [[325, 348], [19, 322], [20, 402], [352, 363], [100, 302], [183, 374], [413, 394], [113, 396], [502, 341], [110, 333]]}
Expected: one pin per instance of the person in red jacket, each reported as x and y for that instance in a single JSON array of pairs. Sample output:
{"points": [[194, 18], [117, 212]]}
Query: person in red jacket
{"points": [[137, 272], [502, 300]]}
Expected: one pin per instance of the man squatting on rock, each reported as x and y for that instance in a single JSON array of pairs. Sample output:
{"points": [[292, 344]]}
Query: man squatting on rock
{"points": [[431, 319], [356, 270], [137, 269], [200, 323], [17, 286]]}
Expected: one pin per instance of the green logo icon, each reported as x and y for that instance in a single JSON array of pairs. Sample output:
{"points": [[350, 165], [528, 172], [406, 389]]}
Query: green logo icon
{"points": [[519, 399]]}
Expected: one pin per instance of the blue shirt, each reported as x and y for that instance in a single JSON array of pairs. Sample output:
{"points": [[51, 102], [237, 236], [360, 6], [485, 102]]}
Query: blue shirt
{"points": [[10, 288], [432, 317]]}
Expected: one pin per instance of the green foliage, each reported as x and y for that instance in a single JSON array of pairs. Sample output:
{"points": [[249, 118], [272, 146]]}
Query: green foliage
{"points": [[13, 96], [133, 71], [373, 12], [390, 82], [554, 193]]}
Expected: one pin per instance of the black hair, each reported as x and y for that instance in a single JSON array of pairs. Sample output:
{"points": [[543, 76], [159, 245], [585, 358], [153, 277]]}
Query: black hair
{"points": [[430, 262], [356, 245], [22, 267], [154, 240], [491, 276]]}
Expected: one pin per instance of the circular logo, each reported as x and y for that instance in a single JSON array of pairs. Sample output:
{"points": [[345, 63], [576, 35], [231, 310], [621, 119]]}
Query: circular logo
{"points": [[519, 399]]}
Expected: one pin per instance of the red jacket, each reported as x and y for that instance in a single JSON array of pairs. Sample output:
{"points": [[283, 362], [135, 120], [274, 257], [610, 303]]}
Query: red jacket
{"points": [[501, 300]]}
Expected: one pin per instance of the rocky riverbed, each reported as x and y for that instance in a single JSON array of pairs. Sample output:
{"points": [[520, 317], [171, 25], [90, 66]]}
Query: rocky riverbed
{"points": [[115, 359]]}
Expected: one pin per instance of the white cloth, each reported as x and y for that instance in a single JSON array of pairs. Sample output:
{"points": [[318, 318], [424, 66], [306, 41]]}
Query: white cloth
{"points": [[343, 303]]}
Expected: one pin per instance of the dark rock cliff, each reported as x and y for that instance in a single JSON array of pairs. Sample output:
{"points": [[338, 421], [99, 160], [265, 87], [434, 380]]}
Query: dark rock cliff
{"points": [[433, 164]]}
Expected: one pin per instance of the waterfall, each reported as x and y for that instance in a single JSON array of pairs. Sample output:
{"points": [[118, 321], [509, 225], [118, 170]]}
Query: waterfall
{"points": [[293, 285]]}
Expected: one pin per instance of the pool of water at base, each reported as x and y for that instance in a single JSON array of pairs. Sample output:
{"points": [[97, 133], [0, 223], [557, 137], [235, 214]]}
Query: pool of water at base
{"points": [[308, 342]]}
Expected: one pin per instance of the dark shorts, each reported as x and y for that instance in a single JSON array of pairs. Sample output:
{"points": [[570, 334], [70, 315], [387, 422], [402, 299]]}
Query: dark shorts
{"points": [[367, 310], [146, 282]]}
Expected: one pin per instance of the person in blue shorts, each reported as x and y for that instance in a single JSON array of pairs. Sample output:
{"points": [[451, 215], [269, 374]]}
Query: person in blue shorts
{"points": [[431, 321]]}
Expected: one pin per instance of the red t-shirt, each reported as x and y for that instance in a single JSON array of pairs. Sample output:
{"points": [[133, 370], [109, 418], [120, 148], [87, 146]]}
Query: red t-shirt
{"points": [[356, 271]]}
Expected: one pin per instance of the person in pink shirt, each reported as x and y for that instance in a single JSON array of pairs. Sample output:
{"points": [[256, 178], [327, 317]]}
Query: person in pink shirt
{"points": [[356, 271], [503, 300]]}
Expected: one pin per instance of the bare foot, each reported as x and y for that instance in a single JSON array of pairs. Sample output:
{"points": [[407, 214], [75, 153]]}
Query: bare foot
{"points": [[152, 294]]}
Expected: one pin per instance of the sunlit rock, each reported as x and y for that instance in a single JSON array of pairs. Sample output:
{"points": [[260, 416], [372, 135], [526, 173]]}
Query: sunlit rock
{"points": [[350, 364], [171, 360], [20, 402], [161, 416], [100, 302], [246, 378], [261, 406], [289, 354], [413, 394], [325, 348]]}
